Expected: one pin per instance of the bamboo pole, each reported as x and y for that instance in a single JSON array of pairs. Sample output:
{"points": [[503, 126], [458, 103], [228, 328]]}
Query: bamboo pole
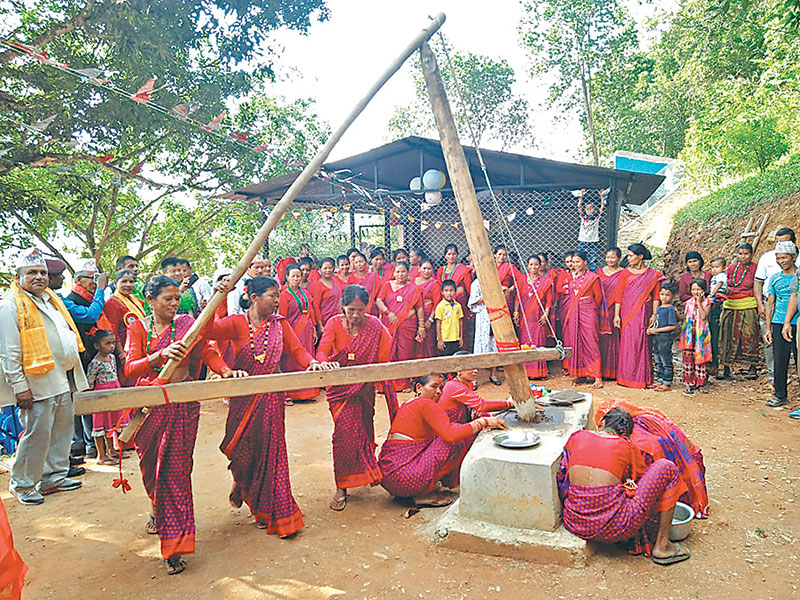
{"points": [[137, 397], [471, 217], [305, 176]]}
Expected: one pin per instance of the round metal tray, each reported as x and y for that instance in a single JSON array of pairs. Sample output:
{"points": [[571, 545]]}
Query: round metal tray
{"points": [[516, 438]]}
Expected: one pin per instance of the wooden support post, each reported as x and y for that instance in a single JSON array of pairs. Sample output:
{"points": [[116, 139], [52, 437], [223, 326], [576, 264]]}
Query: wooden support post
{"points": [[103, 400], [478, 241]]}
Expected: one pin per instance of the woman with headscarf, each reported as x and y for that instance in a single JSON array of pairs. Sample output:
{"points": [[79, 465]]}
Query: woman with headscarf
{"points": [[634, 311], [694, 270]]}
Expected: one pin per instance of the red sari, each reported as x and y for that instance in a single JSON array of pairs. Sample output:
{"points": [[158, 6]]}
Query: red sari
{"points": [[462, 276], [656, 436], [533, 299], [434, 453], [431, 295], [402, 302], [327, 298], [609, 335], [165, 440], [373, 283], [635, 295], [12, 567], [299, 308], [353, 406], [510, 275], [255, 432], [581, 326]]}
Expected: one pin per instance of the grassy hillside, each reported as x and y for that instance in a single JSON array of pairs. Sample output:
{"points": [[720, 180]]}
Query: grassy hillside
{"points": [[740, 198]]}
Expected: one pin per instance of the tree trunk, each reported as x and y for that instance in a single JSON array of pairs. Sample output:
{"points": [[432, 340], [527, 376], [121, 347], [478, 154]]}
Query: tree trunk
{"points": [[587, 103]]}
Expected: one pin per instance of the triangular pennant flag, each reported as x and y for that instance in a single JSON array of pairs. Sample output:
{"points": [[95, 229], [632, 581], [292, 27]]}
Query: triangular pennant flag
{"points": [[145, 92], [137, 168], [260, 148], [215, 122], [105, 158], [240, 135], [182, 110]]}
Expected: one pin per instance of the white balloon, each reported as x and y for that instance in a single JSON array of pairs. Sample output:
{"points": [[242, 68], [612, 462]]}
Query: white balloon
{"points": [[433, 198], [433, 179], [415, 185]]}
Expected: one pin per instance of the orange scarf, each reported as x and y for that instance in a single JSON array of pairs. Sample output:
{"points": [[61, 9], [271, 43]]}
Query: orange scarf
{"points": [[133, 304], [37, 358]]}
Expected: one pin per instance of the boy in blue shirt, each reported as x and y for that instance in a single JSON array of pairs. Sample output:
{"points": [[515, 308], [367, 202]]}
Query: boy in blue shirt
{"points": [[663, 332]]}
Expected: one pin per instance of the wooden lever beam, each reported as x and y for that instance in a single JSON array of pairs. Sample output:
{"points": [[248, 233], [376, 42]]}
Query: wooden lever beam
{"points": [[117, 399]]}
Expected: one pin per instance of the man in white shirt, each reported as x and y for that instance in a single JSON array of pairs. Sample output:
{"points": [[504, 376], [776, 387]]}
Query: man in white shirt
{"points": [[39, 374], [589, 232], [255, 269], [766, 268]]}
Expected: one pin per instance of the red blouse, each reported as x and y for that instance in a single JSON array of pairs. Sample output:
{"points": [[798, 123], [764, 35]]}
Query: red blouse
{"points": [[335, 338], [387, 290], [685, 284], [422, 418], [137, 365], [744, 276], [286, 298], [236, 329], [457, 393], [613, 454]]}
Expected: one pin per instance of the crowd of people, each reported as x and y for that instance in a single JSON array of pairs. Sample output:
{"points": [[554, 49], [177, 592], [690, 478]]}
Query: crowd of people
{"points": [[301, 313]]}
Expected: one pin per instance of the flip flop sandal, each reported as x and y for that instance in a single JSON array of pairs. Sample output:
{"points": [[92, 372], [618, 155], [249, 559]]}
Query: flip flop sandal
{"points": [[175, 565], [410, 513], [438, 503], [151, 528], [679, 554], [262, 525], [107, 461], [338, 504], [288, 402]]}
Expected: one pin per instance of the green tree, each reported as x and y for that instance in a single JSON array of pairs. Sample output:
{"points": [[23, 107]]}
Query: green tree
{"points": [[573, 40], [209, 56], [490, 107]]}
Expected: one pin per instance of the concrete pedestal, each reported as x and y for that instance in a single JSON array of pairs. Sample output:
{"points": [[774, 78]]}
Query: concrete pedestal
{"points": [[509, 503]]}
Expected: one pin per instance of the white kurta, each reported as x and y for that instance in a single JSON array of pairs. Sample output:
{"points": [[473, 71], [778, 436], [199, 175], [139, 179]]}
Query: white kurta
{"points": [[484, 338]]}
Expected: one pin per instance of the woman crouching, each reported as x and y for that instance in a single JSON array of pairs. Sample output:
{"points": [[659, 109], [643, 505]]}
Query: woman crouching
{"points": [[424, 447], [599, 507]]}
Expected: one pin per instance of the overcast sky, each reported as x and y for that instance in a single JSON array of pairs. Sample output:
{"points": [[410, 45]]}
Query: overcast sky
{"points": [[342, 57]]}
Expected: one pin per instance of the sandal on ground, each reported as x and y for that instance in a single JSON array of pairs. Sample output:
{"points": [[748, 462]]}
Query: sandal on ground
{"points": [[262, 524], [175, 565], [338, 503], [437, 501], [151, 528], [288, 402], [661, 388], [108, 460], [679, 554], [495, 381]]}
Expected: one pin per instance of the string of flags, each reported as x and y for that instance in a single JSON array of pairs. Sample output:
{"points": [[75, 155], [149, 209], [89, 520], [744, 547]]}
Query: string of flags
{"points": [[143, 96]]}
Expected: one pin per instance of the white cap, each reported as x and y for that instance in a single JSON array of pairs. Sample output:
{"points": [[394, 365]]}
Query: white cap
{"points": [[786, 247], [32, 257], [86, 266]]}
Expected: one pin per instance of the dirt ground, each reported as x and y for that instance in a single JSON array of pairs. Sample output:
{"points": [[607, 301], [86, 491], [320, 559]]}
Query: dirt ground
{"points": [[91, 543]]}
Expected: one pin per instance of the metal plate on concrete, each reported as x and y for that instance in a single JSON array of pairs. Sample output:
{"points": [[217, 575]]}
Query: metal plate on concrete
{"points": [[517, 439]]}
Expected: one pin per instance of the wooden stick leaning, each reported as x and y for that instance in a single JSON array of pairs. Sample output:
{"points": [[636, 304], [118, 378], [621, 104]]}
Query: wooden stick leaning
{"points": [[285, 203], [478, 241], [191, 391]]}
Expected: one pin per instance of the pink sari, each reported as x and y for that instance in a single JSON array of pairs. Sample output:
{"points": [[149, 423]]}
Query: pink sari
{"points": [[165, 445], [581, 326], [609, 335], [255, 437], [431, 295], [353, 410], [530, 331], [635, 295], [404, 330], [509, 275], [303, 326]]}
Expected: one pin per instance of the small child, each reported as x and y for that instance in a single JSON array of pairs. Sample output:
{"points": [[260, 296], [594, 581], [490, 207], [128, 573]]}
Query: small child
{"points": [[695, 340], [662, 330], [102, 375], [589, 232], [448, 315], [718, 291]]}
